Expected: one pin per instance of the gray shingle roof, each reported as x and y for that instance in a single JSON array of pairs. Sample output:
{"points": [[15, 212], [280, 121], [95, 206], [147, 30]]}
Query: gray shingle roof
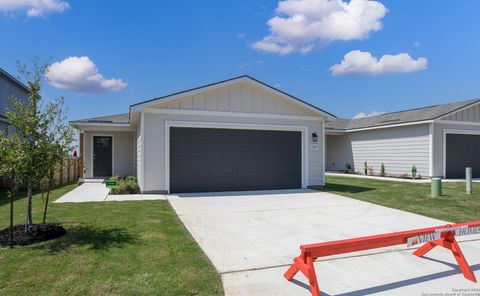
{"points": [[118, 118], [407, 116]]}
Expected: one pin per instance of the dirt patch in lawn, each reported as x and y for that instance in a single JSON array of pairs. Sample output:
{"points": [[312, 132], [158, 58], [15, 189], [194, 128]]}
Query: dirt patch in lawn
{"points": [[37, 233]]}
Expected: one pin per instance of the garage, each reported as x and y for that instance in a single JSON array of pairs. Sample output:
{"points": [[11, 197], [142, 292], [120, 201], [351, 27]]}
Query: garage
{"points": [[462, 150], [222, 159]]}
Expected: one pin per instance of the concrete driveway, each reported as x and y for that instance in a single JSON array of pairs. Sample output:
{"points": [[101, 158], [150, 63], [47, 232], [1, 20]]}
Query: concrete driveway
{"points": [[252, 237]]}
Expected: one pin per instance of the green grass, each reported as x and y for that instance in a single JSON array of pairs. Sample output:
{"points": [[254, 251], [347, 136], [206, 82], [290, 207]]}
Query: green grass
{"points": [[453, 206], [112, 248]]}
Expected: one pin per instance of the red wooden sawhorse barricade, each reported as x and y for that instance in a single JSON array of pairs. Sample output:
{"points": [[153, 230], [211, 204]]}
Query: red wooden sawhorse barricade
{"points": [[433, 236]]}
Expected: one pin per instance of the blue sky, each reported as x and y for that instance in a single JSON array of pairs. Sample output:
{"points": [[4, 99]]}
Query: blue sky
{"points": [[159, 47]]}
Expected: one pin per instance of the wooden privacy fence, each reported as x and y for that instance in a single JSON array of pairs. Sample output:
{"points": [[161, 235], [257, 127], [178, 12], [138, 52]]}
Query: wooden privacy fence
{"points": [[70, 170]]}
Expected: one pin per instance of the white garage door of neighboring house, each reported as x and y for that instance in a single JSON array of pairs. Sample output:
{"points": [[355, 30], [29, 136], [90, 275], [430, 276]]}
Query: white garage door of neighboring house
{"points": [[216, 159], [462, 150]]}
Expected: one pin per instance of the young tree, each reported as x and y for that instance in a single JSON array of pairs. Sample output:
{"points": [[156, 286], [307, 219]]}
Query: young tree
{"points": [[38, 131], [60, 139], [8, 156]]}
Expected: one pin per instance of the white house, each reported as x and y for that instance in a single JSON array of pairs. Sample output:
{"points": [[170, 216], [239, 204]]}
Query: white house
{"points": [[439, 140], [238, 134]]}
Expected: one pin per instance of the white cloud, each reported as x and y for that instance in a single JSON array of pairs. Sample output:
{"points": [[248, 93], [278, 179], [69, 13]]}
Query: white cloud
{"points": [[34, 8], [362, 115], [416, 44], [359, 62], [80, 74], [302, 25]]}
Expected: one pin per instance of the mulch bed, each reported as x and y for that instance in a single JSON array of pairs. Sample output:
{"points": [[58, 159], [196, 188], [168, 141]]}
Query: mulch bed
{"points": [[38, 233]]}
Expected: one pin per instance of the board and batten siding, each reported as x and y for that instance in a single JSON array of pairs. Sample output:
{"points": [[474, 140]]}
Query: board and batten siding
{"points": [[438, 141], [9, 89], [398, 148], [123, 152], [471, 114], [154, 150], [463, 117], [238, 98]]}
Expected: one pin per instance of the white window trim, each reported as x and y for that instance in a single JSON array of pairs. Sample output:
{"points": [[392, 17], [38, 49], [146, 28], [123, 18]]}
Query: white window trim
{"points": [[113, 151], [452, 131], [243, 126]]}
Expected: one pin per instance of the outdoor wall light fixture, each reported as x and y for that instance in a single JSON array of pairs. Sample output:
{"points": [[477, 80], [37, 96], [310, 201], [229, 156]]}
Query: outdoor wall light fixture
{"points": [[314, 137]]}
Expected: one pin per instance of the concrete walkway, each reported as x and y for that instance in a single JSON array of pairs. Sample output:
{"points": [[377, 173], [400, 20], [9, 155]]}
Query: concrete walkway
{"points": [[252, 237], [87, 192], [97, 192]]}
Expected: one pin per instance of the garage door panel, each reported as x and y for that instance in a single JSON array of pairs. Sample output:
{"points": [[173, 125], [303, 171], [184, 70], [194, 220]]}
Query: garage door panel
{"points": [[462, 151], [203, 159]]}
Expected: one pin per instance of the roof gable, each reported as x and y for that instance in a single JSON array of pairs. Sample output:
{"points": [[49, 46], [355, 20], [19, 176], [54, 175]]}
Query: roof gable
{"points": [[240, 95]]}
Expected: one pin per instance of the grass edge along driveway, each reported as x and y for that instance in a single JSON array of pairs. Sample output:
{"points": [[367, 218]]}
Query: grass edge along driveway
{"points": [[111, 248], [453, 206]]}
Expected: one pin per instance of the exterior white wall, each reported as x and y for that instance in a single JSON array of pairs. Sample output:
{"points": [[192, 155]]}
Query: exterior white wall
{"points": [[124, 156], [438, 142], [241, 97], [339, 152], [154, 145], [398, 148]]}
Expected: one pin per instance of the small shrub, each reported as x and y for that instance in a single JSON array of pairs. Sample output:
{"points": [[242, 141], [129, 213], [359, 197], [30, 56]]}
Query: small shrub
{"points": [[127, 185], [130, 178], [414, 172], [382, 170], [365, 168], [116, 178]]}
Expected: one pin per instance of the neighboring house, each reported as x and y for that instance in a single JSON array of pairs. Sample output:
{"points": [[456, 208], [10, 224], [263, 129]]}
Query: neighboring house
{"points": [[9, 87], [439, 140], [238, 134]]}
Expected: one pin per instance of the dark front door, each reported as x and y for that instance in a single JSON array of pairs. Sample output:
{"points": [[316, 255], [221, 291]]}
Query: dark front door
{"points": [[205, 159], [102, 156], [462, 151]]}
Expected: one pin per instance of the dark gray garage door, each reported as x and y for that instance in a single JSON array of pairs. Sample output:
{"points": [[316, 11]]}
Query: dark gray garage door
{"points": [[205, 159], [462, 151]]}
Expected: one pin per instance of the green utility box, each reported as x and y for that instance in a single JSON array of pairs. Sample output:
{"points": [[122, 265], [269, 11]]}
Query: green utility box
{"points": [[436, 186], [111, 183]]}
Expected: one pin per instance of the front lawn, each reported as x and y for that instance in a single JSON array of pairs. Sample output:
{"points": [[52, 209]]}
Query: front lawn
{"points": [[454, 205], [111, 248]]}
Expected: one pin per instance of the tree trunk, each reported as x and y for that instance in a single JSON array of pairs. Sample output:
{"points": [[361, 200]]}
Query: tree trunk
{"points": [[12, 198], [51, 184], [28, 222], [46, 206]]}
